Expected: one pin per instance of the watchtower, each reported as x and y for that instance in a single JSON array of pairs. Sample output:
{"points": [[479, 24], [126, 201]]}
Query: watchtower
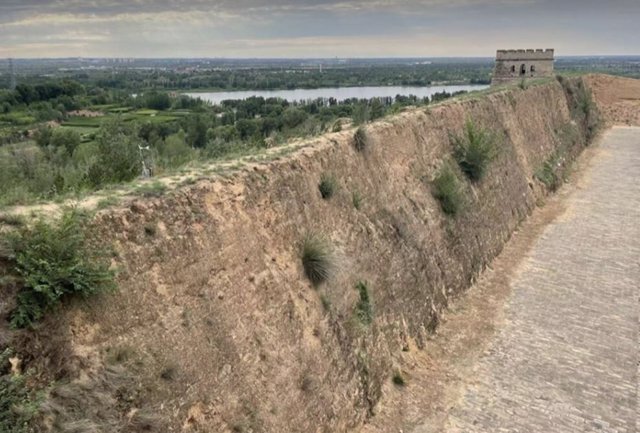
{"points": [[512, 65]]}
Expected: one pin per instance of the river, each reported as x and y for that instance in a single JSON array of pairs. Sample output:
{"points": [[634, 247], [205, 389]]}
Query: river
{"points": [[339, 93]]}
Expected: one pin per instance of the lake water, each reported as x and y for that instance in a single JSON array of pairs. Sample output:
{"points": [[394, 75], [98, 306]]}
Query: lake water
{"points": [[339, 93]]}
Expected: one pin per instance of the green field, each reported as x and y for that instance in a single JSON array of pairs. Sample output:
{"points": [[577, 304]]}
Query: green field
{"points": [[128, 115]]}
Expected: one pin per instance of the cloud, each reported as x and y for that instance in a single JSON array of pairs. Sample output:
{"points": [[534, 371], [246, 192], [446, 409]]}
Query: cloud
{"points": [[262, 28]]}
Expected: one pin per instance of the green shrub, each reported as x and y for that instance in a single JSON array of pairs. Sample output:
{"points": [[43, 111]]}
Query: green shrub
{"points": [[364, 308], [447, 189], [474, 150], [43, 135], [54, 261], [328, 186], [360, 139], [317, 258]]}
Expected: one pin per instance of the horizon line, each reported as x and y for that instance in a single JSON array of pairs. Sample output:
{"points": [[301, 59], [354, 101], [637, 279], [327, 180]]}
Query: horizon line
{"points": [[298, 58]]}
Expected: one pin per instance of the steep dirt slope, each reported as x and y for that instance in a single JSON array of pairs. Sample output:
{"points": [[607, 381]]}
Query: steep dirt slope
{"points": [[215, 327]]}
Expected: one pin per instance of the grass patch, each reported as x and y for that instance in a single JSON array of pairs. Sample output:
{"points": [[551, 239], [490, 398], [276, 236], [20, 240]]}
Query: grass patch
{"points": [[523, 84], [447, 189], [550, 172], [12, 220], [18, 403], [154, 189], [317, 258], [474, 150], [169, 373], [398, 379], [328, 186], [364, 307], [120, 355], [326, 303], [150, 229], [54, 261], [356, 199], [360, 139], [107, 202]]}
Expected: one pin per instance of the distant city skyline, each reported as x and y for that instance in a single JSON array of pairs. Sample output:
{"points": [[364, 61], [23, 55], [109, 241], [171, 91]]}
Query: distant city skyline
{"points": [[314, 29]]}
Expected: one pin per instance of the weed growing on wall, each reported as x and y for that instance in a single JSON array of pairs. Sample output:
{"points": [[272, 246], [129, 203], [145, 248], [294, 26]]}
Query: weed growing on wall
{"points": [[328, 186], [550, 173], [448, 190], [583, 108], [317, 258], [398, 379], [364, 307], [360, 139], [356, 199], [474, 149]]}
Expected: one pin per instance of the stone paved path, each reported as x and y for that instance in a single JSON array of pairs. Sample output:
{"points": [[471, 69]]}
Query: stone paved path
{"points": [[567, 357]]}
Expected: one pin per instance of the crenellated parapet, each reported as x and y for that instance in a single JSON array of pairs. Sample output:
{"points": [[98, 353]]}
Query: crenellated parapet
{"points": [[537, 54]]}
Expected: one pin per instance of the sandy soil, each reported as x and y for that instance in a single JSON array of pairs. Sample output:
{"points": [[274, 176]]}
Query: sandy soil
{"points": [[618, 98]]}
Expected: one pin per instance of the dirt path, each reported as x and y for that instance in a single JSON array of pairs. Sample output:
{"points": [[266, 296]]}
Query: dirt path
{"points": [[565, 359], [544, 362]]}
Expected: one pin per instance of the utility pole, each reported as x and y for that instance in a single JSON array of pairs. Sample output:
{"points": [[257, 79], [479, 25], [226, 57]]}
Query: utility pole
{"points": [[12, 76]]}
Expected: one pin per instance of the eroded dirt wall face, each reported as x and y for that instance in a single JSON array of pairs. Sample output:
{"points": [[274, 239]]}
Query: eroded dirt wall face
{"points": [[215, 321]]}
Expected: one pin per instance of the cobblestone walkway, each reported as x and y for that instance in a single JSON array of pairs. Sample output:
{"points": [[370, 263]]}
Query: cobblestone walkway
{"points": [[567, 357]]}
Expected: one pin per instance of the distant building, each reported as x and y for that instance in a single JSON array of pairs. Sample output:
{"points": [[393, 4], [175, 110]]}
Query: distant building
{"points": [[513, 65]]}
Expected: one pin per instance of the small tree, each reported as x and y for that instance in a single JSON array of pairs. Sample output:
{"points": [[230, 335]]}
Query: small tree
{"points": [[119, 158], [65, 138], [175, 151], [43, 136]]}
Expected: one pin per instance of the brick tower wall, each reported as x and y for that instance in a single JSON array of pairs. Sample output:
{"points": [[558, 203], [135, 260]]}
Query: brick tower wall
{"points": [[513, 65]]}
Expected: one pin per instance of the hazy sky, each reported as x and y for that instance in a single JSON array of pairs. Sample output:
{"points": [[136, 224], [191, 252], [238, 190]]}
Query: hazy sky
{"points": [[320, 28]]}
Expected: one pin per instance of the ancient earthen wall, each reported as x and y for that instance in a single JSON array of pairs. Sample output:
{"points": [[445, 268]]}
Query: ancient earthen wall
{"points": [[221, 329]]}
